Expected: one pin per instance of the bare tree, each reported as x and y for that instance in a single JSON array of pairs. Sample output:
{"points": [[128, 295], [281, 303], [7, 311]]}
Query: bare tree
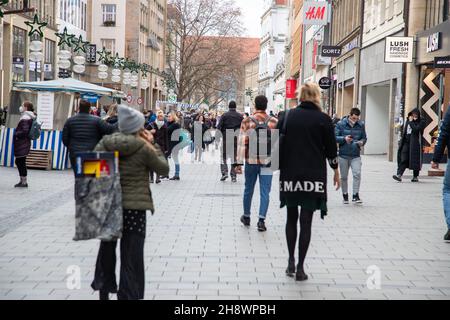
{"points": [[199, 47]]}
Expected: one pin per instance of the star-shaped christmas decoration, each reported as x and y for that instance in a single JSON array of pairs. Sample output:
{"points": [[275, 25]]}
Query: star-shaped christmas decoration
{"points": [[104, 55], [36, 26], [145, 70], [133, 66], [117, 61], [2, 3], [126, 64], [65, 38], [80, 45]]}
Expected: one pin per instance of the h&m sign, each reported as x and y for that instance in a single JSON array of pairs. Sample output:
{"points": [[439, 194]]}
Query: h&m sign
{"points": [[316, 13]]}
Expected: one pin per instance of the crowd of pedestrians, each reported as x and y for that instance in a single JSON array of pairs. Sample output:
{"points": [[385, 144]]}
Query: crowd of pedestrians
{"points": [[304, 140]]}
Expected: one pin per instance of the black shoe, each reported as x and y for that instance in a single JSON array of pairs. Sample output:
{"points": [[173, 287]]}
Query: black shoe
{"points": [[346, 201], [290, 271], [152, 181], [447, 236], [301, 275], [21, 185], [233, 179], [356, 199], [224, 177], [175, 178], [262, 226], [158, 181], [397, 178], [245, 221], [415, 179]]}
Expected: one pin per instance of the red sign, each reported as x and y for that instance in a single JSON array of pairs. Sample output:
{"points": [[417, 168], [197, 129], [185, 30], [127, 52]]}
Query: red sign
{"points": [[291, 88], [140, 101], [129, 98]]}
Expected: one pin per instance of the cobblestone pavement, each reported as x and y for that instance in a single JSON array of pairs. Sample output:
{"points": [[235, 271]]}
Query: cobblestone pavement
{"points": [[197, 249]]}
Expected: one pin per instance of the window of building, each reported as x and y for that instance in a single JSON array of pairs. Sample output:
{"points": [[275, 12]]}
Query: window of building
{"points": [[437, 11], [19, 52], [109, 45], [49, 59], [109, 14]]}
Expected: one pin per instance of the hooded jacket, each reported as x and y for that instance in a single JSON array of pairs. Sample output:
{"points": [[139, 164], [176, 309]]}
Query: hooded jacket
{"points": [[22, 143], [358, 132], [136, 160], [444, 139]]}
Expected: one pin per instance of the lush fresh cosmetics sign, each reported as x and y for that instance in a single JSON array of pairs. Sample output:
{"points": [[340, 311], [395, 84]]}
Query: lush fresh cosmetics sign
{"points": [[316, 13], [399, 49]]}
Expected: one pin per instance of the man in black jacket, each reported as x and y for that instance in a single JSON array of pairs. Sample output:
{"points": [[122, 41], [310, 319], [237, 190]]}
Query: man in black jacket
{"points": [[83, 131], [442, 144], [229, 126]]}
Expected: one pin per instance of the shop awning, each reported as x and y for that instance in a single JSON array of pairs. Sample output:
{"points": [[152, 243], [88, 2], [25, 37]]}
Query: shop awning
{"points": [[68, 85]]}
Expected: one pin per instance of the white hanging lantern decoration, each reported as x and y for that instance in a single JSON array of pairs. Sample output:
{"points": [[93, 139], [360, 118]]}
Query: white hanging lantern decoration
{"points": [[116, 72], [103, 75], [79, 68], [126, 74], [103, 68], [36, 54], [115, 79], [134, 77], [103, 72], [64, 64], [64, 59], [145, 84], [126, 81], [36, 46]]}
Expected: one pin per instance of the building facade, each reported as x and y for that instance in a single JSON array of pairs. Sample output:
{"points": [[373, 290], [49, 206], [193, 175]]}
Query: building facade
{"points": [[434, 84], [273, 40], [380, 92], [73, 15], [15, 47], [116, 28], [346, 33], [251, 81]]}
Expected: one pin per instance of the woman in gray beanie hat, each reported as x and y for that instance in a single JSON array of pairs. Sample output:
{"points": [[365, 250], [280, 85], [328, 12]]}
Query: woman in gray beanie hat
{"points": [[138, 154]]}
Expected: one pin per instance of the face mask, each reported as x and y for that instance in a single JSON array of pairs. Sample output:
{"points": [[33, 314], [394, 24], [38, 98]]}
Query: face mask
{"points": [[21, 109]]}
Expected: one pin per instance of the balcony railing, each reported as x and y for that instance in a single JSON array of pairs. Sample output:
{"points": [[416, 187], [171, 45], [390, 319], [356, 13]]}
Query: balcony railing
{"points": [[109, 23]]}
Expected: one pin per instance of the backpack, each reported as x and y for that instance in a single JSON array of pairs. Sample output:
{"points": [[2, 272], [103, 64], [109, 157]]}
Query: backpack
{"points": [[262, 151], [35, 130]]}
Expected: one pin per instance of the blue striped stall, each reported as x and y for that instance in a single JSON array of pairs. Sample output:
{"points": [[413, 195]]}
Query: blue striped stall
{"points": [[49, 140]]}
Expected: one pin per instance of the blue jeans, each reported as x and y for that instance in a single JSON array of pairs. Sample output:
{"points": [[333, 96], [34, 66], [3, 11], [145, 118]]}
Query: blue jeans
{"points": [[176, 160], [252, 173], [447, 196]]}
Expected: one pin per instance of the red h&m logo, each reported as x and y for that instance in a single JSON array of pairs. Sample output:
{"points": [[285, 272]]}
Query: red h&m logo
{"points": [[316, 13]]}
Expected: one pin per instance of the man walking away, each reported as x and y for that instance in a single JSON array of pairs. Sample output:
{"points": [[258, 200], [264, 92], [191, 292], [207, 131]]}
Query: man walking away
{"points": [[255, 146], [351, 137], [229, 121], [83, 131], [444, 142]]}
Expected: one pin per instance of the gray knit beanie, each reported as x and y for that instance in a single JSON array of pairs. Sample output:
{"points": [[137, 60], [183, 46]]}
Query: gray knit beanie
{"points": [[130, 120]]}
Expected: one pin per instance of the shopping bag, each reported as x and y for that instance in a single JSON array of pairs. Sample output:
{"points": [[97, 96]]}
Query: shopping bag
{"points": [[98, 204]]}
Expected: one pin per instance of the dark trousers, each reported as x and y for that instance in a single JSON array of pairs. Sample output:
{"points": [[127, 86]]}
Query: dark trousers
{"points": [[21, 164], [404, 164], [132, 270], [224, 164]]}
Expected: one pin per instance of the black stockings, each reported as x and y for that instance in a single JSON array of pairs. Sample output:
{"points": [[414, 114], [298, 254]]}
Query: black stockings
{"points": [[306, 218]]}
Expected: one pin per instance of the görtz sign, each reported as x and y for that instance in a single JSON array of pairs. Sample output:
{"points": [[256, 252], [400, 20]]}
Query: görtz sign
{"points": [[399, 50]]}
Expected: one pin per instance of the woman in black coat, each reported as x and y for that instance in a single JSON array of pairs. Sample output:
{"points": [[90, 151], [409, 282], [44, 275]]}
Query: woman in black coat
{"points": [[410, 148], [22, 142], [307, 142], [160, 133]]}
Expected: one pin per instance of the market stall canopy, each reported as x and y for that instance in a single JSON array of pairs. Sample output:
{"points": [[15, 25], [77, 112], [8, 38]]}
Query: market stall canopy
{"points": [[69, 85]]}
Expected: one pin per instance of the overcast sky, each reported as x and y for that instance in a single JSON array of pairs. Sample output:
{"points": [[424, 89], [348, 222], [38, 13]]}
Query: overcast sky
{"points": [[252, 11]]}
